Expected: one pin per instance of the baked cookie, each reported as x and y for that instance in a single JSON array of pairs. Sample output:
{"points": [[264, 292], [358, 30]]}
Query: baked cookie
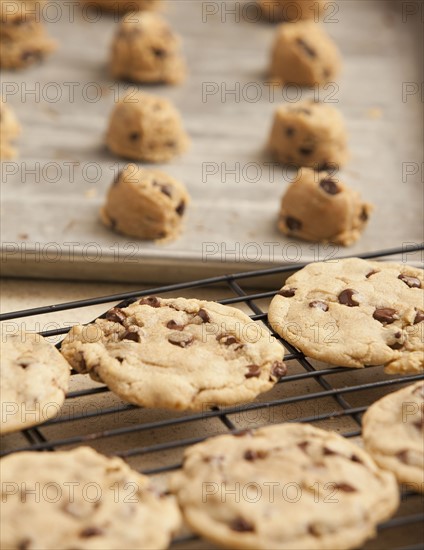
{"points": [[393, 434], [122, 6], [291, 10], [304, 54], [309, 134], [145, 127], [33, 381], [81, 499], [146, 204], [287, 486], [318, 207], [9, 131], [177, 354], [146, 50], [354, 313], [23, 39]]}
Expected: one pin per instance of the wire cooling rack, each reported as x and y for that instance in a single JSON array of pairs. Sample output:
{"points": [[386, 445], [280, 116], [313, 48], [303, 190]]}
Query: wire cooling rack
{"points": [[333, 398]]}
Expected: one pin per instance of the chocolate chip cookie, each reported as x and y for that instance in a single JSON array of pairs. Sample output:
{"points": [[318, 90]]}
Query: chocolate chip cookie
{"points": [[319, 207], [23, 38], [9, 131], [81, 499], [33, 381], [287, 486], [146, 50], [393, 434], [309, 134], [177, 354], [304, 54], [145, 127], [146, 204], [354, 313]]}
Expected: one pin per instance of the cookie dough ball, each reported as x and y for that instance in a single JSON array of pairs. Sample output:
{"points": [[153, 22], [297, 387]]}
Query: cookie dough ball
{"points": [[291, 10], [319, 208], [304, 54], [146, 204], [122, 6], [9, 131], [145, 127], [145, 49], [23, 39], [309, 134]]}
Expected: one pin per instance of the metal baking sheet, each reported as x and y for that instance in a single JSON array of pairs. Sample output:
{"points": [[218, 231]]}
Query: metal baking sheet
{"points": [[50, 196]]}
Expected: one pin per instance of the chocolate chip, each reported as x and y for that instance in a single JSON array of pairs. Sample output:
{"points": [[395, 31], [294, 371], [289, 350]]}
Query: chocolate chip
{"points": [[306, 151], [355, 458], [24, 544], [164, 187], [371, 273], [159, 52], [345, 487], [151, 301], [290, 131], [412, 282], [173, 325], [115, 315], [364, 214], [419, 423], [419, 317], [25, 363], [287, 292], [303, 445], [203, 314], [313, 530], [227, 339], [329, 452], [181, 208], [318, 304], [181, 339], [134, 136], [306, 48], [278, 369], [241, 525], [329, 186], [346, 297], [403, 456], [253, 371], [385, 315], [396, 346], [131, 335], [254, 455], [293, 224], [91, 532]]}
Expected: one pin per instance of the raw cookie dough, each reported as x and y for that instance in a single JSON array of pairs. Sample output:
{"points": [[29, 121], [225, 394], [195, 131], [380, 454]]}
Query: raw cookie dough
{"points": [[318, 207], [146, 50], [309, 134], [85, 500], [304, 54], [123, 6], [177, 354], [284, 487], [146, 127], [9, 130], [33, 381], [291, 10], [354, 313], [146, 204], [23, 39], [393, 434]]}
